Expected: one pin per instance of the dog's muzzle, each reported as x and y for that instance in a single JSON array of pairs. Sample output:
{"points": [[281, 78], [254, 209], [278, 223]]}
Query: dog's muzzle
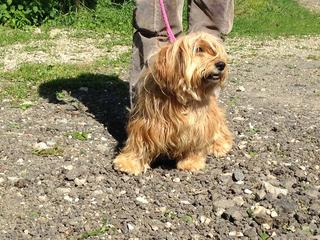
{"points": [[213, 77]]}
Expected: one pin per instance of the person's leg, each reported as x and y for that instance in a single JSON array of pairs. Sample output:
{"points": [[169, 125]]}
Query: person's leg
{"points": [[212, 16], [150, 32]]}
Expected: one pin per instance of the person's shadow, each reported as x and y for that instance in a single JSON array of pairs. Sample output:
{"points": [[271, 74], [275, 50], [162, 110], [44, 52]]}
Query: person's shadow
{"points": [[106, 98]]}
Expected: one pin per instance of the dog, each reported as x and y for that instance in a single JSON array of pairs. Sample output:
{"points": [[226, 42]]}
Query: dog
{"points": [[175, 111]]}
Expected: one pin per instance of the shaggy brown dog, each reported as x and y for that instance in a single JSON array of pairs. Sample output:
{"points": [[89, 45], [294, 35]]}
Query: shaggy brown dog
{"points": [[176, 111]]}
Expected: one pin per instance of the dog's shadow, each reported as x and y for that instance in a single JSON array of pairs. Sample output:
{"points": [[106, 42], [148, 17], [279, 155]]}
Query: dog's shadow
{"points": [[106, 98]]}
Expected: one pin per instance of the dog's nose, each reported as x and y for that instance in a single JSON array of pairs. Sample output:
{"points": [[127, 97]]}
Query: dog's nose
{"points": [[220, 65]]}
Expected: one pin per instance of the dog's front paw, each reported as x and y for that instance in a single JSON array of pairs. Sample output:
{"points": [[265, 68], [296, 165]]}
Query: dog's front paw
{"points": [[220, 149], [192, 163], [128, 164]]}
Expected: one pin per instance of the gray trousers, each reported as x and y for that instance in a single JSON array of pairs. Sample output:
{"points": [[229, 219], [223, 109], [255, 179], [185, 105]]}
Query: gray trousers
{"points": [[213, 16]]}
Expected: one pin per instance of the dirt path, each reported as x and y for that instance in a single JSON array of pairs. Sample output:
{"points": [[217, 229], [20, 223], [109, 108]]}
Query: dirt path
{"points": [[313, 5], [268, 185]]}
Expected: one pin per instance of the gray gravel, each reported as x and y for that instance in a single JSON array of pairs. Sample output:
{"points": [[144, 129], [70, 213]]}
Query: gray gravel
{"points": [[267, 186]]}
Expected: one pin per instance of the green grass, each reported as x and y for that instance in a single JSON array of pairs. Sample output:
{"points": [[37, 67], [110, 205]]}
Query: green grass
{"points": [[81, 136], [11, 36], [53, 151], [274, 18], [104, 229], [24, 82]]}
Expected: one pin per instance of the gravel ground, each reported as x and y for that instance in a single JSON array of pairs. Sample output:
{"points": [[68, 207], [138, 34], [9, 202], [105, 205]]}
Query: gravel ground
{"points": [[55, 184]]}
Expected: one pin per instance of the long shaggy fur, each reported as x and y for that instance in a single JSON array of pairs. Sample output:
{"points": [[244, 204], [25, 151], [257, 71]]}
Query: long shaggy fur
{"points": [[175, 112]]}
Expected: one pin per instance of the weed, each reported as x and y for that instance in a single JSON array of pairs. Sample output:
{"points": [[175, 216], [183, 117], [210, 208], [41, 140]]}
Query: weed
{"points": [[264, 236], [25, 105], [14, 125], [313, 57], [253, 130], [232, 101], [187, 218], [105, 228], [53, 151], [81, 136], [170, 215], [252, 153]]}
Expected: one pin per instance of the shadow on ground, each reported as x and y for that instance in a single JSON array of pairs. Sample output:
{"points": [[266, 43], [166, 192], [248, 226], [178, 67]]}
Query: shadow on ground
{"points": [[106, 97]]}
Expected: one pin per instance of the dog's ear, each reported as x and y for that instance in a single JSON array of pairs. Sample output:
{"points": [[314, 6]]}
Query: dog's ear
{"points": [[161, 67]]}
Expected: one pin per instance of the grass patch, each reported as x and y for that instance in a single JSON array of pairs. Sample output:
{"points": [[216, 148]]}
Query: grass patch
{"points": [[313, 57], [264, 236], [274, 18], [11, 36], [105, 228], [81, 136], [52, 151], [25, 105], [24, 82]]}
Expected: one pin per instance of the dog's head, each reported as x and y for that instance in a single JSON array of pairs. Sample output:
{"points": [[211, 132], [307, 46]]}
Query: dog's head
{"points": [[191, 68]]}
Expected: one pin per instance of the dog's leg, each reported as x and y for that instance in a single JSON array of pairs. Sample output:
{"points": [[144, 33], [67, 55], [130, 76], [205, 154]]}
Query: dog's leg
{"points": [[192, 162], [136, 156], [132, 162], [222, 143]]}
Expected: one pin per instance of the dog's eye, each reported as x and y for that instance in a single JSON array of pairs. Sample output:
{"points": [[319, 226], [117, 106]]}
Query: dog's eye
{"points": [[199, 50]]}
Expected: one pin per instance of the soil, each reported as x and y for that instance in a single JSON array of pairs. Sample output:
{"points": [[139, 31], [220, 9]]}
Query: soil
{"points": [[313, 5], [267, 186]]}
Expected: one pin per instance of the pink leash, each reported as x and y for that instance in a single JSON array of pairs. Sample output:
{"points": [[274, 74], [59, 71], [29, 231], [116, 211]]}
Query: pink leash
{"points": [[171, 36]]}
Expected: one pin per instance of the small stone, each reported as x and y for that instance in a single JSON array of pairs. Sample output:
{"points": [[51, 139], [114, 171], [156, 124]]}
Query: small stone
{"points": [[43, 198], [80, 182], [223, 203], [205, 220], [260, 215], [238, 175], [98, 192], [238, 201], [250, 233], [260, 195], [21, 183], [219, 211], [168, 224], [155, 228], [130, 226], [67, 198], [313, 193], [68, 167], [242, 145], [73, 174], [247, 191], [13, 179], [20, 161], [273, 214], [176, 180], [142, 199], [40, 146], [100, 178], [235, 234], [232, 215], [2, 180], [266, 226], [51, 143], [241, 89], [185, 202], [274, 191], [63, 190]]}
